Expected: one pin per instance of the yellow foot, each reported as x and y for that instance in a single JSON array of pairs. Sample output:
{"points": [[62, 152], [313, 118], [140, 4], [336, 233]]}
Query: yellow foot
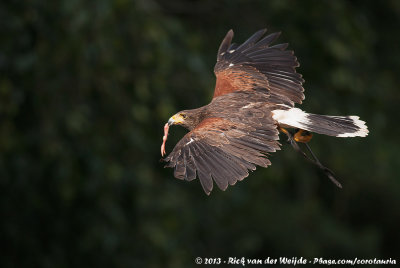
{"points": [[303, 136]]}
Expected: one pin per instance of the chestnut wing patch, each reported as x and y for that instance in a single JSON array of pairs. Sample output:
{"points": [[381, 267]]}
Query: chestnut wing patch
{"points": [[255, 64]]}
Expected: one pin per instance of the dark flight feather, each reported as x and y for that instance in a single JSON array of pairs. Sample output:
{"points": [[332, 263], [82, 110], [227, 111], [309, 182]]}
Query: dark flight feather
{"points": [[225, 44]]}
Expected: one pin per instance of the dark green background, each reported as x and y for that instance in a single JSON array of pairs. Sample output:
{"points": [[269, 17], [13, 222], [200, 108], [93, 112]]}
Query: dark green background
{"points": [[86, 86]]}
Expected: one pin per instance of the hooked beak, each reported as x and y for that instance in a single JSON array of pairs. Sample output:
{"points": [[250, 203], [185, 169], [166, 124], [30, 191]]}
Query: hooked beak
{"points": [[176, 119]]}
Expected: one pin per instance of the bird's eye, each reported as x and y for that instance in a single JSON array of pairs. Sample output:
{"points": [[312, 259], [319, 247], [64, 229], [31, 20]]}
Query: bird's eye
{"points": [[184, 116]]}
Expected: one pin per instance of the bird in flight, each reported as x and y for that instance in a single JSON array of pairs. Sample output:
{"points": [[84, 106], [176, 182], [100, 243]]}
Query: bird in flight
{"points": [[254, 99]]}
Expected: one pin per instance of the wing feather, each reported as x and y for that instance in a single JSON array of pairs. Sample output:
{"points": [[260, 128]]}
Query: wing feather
{"points": [[203, 170], [180, 168], [256, 64], [234, 171], [190, 173], [225, 44], [224, 151], [218, 170], [252, 40], [266, 41]]}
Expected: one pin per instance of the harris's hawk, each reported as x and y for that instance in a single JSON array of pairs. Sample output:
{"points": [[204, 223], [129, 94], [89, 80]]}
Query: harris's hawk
{"points": [[256, 90]]}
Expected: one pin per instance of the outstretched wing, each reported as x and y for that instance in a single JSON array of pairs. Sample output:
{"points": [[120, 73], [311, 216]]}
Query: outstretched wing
{"points": [[223, 150], [255, 64]]}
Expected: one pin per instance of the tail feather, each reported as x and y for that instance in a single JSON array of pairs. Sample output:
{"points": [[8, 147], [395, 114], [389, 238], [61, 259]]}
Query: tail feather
{"points": [[337, 126]]}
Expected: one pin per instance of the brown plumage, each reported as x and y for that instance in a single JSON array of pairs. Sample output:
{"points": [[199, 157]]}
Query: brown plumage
{"points": [[237, 130], [230, 139]]}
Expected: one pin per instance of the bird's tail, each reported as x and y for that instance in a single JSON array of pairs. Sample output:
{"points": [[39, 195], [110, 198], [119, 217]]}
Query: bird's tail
{"points": [[337, 126]]}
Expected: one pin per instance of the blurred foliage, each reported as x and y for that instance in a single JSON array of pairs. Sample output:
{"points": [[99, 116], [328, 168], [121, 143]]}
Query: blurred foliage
{"points": [[85, 88]]}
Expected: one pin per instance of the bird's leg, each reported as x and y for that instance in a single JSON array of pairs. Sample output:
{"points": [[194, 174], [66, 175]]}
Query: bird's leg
{"points": [[313, 160], [292, 141], [327, 171], [302, 136]]}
